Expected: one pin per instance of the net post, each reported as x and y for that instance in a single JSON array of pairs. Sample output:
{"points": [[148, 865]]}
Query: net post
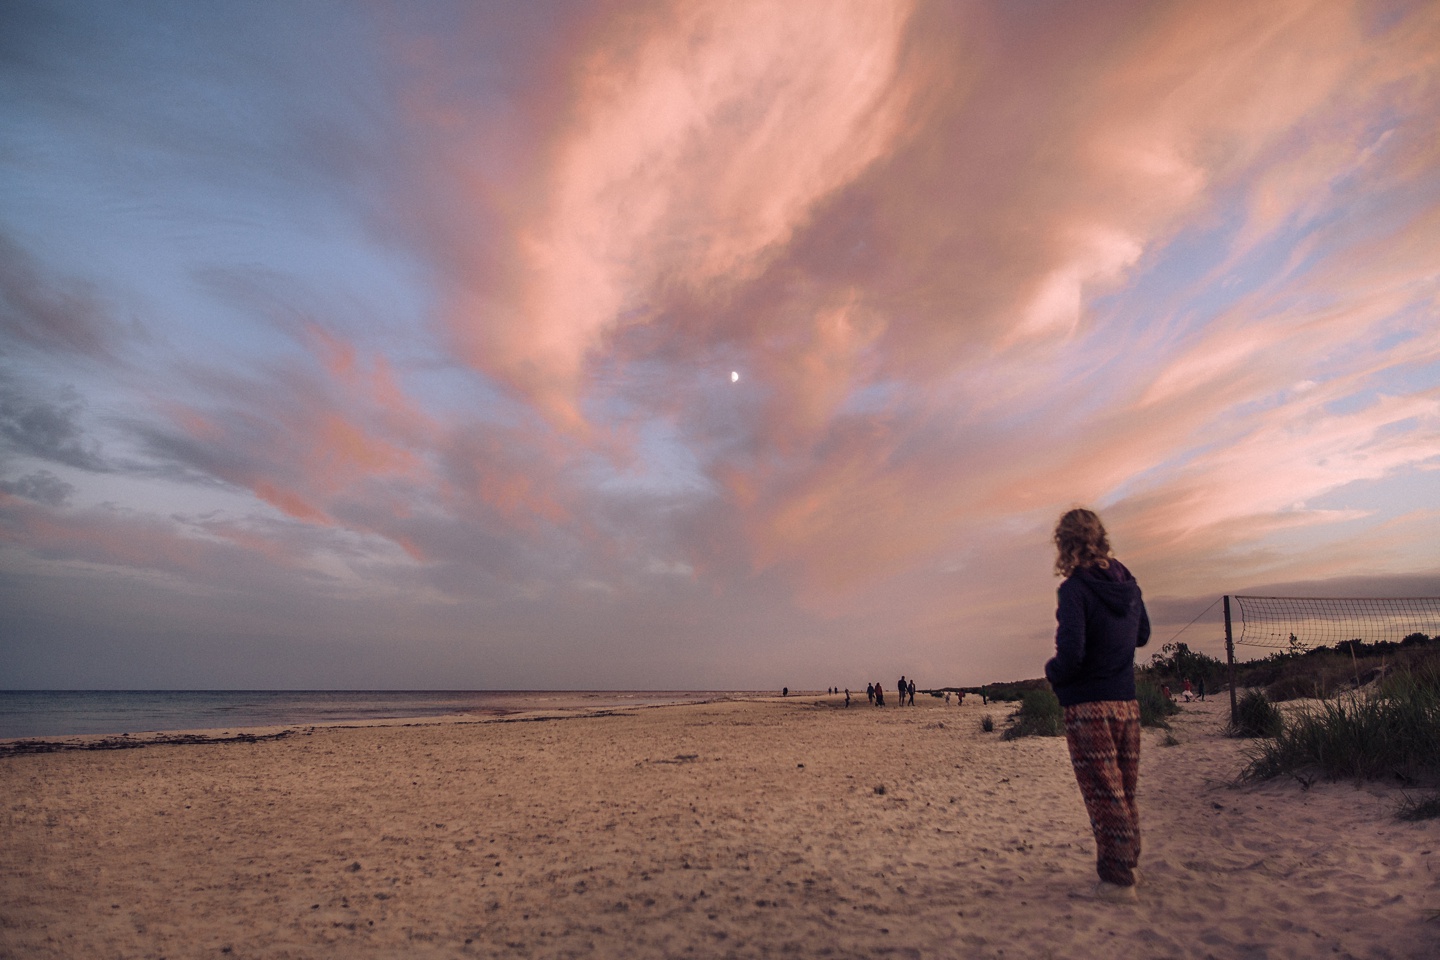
{"points": [[1230, 660]]}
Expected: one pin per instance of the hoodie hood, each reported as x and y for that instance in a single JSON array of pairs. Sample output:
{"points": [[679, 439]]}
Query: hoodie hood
{"points": [[1113, 586]]}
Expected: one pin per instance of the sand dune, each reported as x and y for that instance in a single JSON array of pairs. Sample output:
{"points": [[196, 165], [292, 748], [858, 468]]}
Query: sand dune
{"points": [[744, 829]]}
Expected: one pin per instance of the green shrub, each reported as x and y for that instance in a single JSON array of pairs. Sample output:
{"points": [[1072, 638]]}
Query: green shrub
{"points": [[1039, 716], [1154, 705], [1255, 716]]}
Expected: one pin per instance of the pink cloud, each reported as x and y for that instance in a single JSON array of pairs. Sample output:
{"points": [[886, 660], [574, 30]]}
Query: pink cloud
{"points": [[694, 145]]}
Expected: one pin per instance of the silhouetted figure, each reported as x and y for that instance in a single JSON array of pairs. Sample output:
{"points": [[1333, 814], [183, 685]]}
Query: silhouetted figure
{"points": [[870, 693], [847, 696], [784, 691], [911, 691], [900, 689], [879, 695]]}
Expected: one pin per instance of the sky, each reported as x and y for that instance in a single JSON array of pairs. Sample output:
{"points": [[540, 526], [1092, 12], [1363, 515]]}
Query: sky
{"points": [[698, 345]]}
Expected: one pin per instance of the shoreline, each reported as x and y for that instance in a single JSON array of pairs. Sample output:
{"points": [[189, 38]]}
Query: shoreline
{"points": [[746, 828], [523, 702], [240, 733]]}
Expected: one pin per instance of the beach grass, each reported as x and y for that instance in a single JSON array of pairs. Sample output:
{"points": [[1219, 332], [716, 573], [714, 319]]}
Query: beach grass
{"points": [[1419, 808], [1256, 716], [1039, 715], [1390, 731], [1155, 707]]}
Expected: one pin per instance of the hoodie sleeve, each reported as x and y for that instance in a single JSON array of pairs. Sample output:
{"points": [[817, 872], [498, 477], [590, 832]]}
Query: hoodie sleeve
{"points": [[1069, 634], [1144, 636]]}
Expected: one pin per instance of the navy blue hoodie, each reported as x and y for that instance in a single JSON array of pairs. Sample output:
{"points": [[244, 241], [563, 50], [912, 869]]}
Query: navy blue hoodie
{"points": [[1100, 620]]}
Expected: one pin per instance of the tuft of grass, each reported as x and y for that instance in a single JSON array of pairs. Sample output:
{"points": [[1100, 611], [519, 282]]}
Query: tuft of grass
{"points": [[1256, 716], [1155, 707], [1039, 715], [1419, 808], [1393, 731], [987, 723]]}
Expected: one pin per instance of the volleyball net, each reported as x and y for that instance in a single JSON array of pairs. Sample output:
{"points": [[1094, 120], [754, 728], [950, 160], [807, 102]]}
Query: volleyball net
{"points": [[1298, 624]]}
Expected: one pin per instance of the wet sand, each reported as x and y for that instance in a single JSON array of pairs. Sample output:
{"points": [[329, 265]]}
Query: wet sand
{"points": [[732, 829]]}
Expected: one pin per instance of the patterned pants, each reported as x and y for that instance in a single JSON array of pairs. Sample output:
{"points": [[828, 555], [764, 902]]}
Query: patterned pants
{"points": [[1104, 739]]}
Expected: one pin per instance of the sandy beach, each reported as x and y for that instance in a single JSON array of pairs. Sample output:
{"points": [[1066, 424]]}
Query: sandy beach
{"points": [[759, 828]]}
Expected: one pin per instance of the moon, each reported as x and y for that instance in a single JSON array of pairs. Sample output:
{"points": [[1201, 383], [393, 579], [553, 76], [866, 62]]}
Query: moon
{"points": [[734, 376]]}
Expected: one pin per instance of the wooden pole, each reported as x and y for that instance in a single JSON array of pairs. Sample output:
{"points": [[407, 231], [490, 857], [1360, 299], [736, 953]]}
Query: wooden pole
{"points": [[1230, 658]]}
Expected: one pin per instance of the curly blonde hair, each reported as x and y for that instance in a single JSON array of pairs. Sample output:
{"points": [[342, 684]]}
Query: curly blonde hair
{"points": [[1081, 541]]}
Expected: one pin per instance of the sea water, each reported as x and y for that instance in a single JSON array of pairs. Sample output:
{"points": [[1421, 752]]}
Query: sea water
{"points": [[52, 713]]}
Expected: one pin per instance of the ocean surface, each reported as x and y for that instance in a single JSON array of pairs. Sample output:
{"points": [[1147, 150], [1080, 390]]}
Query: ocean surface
{"points": [[54, 713]]}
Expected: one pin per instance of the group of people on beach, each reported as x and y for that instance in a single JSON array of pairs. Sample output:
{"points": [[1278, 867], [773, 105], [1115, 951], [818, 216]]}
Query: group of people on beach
{"points": [[875, 692], [1187, 691]]}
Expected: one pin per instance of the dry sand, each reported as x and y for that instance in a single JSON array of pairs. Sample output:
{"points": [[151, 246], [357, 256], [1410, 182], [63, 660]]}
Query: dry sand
{"points": [[736, 829]]}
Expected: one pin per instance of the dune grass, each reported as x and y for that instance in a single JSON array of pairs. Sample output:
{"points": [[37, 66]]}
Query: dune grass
{"points": [[1391, 731], [1419, 808], [1039, 716], [1155, 707], [1040, 713], [1255, 716]]}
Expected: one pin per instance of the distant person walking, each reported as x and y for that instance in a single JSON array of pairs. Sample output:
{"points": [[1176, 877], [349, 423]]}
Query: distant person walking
{"points": [[1100, 620], [1200, 689], [847, 696], [879, 695], [911, 690], [900, 688], [870, 693]]}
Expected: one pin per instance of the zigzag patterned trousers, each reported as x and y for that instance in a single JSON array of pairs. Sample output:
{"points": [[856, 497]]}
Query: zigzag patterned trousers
{"points": [[1104, 740]]}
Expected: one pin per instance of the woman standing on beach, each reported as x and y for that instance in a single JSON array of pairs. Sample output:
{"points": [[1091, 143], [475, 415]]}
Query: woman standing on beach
{"points": [[1100, 620]]}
